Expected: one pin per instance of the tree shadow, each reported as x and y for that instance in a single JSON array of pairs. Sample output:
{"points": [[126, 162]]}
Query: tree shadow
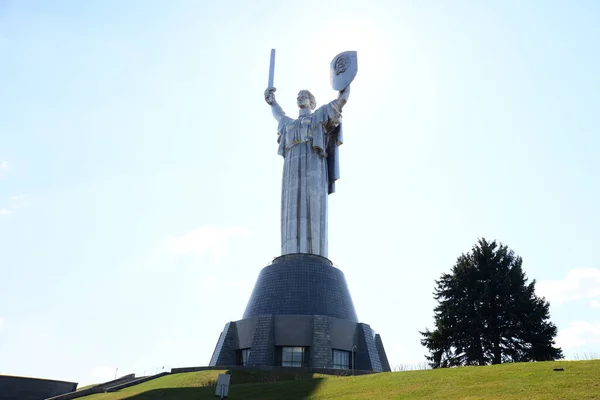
{"points": [[245, 385], [297, 390]]}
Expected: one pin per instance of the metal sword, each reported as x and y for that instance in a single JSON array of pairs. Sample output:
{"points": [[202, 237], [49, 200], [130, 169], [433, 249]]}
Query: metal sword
{"points": [[272, 68]]}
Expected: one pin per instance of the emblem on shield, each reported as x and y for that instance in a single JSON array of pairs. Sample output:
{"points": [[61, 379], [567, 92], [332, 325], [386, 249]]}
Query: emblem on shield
{"points": [[343, 69]]}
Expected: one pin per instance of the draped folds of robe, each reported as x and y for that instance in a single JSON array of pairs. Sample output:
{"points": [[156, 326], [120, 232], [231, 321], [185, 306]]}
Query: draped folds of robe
{"points": [[309, 146]]}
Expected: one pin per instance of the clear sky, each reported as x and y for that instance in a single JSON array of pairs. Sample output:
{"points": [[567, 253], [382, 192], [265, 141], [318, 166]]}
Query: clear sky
{"points": [[140, 181]]}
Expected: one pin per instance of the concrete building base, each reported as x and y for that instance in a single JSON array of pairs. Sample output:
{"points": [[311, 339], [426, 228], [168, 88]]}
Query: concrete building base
{"points": [[300, 314]]}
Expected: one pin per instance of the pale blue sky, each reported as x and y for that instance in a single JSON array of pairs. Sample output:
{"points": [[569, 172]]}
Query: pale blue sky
{"points": [[139, 175]]}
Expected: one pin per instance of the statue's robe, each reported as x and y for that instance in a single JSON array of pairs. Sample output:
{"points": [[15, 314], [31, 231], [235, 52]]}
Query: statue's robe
{"points": [[309, 146]]}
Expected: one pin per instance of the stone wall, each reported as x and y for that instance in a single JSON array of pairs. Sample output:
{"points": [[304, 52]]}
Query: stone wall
{"points": [[385, 365], [321, 346], [225, 350], [99, 388], [328, 371], [367, 356], [263, 345], [22, 388]]}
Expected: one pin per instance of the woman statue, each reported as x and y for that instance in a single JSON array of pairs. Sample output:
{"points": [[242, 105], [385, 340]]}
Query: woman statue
{"points": [[309, 146]]}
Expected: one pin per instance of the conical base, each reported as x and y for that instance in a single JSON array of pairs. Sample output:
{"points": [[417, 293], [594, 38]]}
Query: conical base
{"points": [[301, 284], [300, 314]]}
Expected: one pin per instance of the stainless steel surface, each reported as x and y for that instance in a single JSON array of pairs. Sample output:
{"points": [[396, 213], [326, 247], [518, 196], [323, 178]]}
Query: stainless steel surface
{"points": [[271, 69], [343, 69], [309, 145]]}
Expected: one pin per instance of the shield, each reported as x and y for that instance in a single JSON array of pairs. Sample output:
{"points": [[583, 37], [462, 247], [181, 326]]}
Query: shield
{"points": [[343, 69]]}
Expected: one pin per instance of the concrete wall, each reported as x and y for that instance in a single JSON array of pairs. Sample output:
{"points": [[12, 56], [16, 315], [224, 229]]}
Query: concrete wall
{"points": [[385, 365], [78, 394], [320, 333], [293, 330], [22, 388], [224, 353], [99, 388], [299, 330], [300, 300], [321, 343], [367, 356], [328, 371], [136, 382], [343, 334], [263, 344], [245, 331]]}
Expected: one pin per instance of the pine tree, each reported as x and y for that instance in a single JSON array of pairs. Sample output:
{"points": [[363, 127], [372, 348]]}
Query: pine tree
{"points": [[487, 313]]}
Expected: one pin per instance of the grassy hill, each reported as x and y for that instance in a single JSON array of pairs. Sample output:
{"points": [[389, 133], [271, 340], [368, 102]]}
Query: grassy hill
{"points": [[579, 380]]}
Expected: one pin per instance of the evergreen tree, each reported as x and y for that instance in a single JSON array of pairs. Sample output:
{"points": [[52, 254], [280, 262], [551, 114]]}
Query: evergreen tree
{"points": [[487, 313]]}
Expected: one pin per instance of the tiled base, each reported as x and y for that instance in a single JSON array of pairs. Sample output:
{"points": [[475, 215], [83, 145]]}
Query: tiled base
{"points": [[301, 300]]}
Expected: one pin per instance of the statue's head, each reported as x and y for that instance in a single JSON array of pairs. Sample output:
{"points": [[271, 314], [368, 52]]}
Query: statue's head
{"points": [[306, 99]]}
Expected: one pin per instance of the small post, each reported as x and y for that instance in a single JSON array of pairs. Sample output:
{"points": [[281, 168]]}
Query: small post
{"points": [[223, 385], [353, 350], [117, 370]]}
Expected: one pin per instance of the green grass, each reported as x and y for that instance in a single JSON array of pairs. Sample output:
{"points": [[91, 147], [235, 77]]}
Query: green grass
{"points": [[87, 386], [529, 381]]}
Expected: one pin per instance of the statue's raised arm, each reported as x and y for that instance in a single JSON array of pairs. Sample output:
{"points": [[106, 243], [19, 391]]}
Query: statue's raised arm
{"points": [[343, 96], [276, 109]]}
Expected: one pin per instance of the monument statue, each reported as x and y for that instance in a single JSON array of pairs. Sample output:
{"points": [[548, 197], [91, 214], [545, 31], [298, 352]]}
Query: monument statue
{"points": [[309, 145], [300, 313]]}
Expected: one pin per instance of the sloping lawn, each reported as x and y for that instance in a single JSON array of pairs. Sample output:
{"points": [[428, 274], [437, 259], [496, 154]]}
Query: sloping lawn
{"points": [[529, 381]]}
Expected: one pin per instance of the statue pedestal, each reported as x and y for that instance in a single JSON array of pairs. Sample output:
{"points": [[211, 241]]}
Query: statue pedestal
{"points": [[300, 314]]}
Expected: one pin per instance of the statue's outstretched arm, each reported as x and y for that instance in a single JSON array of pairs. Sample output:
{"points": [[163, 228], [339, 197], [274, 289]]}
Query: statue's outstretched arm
{"points": [[276, 109], [343, 96]]}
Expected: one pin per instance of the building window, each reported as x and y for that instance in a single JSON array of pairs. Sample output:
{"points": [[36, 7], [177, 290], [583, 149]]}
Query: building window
{"points": [[341, 359], [293, 356], [242, 356]]}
